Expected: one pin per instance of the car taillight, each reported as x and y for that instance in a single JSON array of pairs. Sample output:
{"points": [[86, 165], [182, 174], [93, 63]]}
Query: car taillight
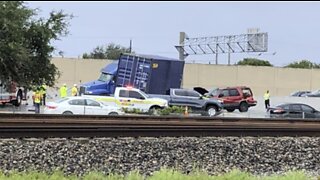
{"points": [[51, 107]]}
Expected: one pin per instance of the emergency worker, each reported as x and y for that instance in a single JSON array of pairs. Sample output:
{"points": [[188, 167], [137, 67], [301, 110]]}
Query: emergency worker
{"points": [[74, 90], [266, 97], [37, 100], [43, 92], [63, 91]]}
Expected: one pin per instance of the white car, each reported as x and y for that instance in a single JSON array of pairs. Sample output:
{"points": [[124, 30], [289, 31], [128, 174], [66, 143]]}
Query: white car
{"points": [[81, 105]]}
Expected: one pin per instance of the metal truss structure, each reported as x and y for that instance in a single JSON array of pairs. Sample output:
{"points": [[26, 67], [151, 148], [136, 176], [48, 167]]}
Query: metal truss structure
{"points": [[251, 42]]}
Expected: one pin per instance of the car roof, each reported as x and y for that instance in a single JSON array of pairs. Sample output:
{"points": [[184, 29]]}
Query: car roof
{"points": [[78, 97], [286, 104], [233, 87]]}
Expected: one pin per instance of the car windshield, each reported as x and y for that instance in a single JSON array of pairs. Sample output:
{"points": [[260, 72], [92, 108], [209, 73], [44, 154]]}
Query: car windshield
{"points": [[294, 93], [144, 94], [103, 103], [214, 92], [105, 77]]}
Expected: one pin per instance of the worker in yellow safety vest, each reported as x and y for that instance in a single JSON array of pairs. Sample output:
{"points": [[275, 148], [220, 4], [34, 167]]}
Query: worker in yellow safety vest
{"points": [[63, 91], [37, 100], [266, 97], [74, 90], [43, 91]]}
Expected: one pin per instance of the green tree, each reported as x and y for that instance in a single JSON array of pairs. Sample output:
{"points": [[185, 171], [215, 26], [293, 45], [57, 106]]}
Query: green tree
{"points": [[304, 64], [111, 51], [254, 62], [25, 44]]}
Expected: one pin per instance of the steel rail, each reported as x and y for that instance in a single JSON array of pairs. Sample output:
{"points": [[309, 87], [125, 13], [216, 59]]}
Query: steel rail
{"points": [[45, 126]]}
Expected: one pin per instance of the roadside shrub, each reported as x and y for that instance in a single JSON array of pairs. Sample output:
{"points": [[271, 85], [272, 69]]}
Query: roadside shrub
{"points": [[133, 111], [173, 110]]}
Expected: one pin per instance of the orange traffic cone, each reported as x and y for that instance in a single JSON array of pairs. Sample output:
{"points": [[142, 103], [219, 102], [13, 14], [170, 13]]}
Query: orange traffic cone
{"points": [[186, 113]]}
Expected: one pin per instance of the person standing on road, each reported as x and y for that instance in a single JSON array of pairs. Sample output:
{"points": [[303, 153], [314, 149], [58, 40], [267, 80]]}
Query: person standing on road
{"points": [[63, 91], [74, 90], [44, 94], [37, 100], [266, 97]]}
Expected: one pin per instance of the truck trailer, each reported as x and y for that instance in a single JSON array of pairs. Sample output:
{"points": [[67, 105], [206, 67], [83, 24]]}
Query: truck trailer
{"points": [[149, 73]]}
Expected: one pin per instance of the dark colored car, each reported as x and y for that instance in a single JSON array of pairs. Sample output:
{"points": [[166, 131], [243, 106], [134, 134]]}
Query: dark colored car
{"points": [[239, 97], [300, 93], [293, 110]]}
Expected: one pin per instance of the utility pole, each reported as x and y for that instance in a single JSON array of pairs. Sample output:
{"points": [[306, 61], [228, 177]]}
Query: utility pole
{"points": [[181, 43], [130, 47], [217, 54]]}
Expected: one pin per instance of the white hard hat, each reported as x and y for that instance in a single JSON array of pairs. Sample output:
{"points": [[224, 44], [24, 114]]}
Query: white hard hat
{"points": [[75, 85]]}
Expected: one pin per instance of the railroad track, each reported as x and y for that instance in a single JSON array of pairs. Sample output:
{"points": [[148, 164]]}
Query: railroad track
{"points": [[31, 125]]}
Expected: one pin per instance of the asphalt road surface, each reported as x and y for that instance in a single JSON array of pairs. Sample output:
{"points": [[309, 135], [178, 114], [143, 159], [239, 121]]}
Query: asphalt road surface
{"points": [[257, 111]]}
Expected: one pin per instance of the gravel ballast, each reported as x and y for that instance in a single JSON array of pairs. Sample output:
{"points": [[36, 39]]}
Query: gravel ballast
{"points": [[258, 155]]}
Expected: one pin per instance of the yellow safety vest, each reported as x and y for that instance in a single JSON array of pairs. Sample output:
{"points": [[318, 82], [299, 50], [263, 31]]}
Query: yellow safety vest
{"points": [[266, 96], [43, 89], [37, 97], [74, 91], [63, 91]]}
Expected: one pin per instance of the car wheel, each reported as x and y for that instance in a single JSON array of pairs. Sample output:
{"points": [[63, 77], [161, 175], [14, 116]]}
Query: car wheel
{"points": [[230, 110], [243, 107], [113, 114], [67, 113], [154, 110], [211, 111]]}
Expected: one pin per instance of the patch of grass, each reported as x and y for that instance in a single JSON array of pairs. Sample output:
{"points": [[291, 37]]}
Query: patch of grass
{"points": [[163, 174], [291, 175]]}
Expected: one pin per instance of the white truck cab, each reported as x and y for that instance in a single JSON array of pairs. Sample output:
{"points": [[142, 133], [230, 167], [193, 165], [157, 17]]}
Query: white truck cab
{"points": [[132, 98]]}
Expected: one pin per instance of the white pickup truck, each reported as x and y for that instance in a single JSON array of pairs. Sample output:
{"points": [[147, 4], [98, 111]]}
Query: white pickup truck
{"points": [[132, 98]]}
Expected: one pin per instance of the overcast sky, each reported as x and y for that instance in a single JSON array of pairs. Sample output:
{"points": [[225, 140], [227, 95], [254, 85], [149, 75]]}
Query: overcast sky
{"points": [[293, 27]]}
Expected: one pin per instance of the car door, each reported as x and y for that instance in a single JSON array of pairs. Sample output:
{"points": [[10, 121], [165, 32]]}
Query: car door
{"points": [[308, 111], [138, 101], [234, 97], [194, 99], [124, 101], [94, 108], [295, 111], [224, 95], [76, 106], [178, 98]]}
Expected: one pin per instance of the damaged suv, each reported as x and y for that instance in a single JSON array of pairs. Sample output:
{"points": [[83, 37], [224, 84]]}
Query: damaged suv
{"points": [[239, 97]]}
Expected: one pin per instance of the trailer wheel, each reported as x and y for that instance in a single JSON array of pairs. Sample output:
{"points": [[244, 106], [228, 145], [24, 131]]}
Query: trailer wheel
{"points": [[18, 101]]}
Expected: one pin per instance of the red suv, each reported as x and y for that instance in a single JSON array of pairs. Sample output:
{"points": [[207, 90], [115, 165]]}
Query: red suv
{"points": [[239, 97]]}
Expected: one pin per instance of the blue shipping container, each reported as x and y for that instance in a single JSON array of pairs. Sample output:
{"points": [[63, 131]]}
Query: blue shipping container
{"points": [[152, 74]]}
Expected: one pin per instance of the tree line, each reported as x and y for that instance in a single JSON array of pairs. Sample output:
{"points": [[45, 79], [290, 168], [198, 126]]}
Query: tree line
{"points": [[304, 64]]}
